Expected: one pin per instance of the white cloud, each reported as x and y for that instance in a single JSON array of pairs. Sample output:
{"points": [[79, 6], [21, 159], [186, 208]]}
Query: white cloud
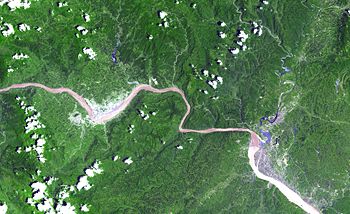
{"points": [[14, 4], [23, 27], [83, 183], [19, 56], [84, 208], [128, 160], [91, 54], [7, 30], [162, 14], [65, 208], [3, 208], [86, 17]]}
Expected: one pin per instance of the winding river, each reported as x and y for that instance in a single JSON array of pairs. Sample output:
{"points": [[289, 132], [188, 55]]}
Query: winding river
{"points": [[103, 117]]}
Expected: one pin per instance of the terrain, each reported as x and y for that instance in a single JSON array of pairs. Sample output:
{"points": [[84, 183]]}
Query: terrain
{"points": [[297, 69]]}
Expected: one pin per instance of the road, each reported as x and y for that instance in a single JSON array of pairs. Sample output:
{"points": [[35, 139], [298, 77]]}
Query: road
{"points": [[103, 117]]}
